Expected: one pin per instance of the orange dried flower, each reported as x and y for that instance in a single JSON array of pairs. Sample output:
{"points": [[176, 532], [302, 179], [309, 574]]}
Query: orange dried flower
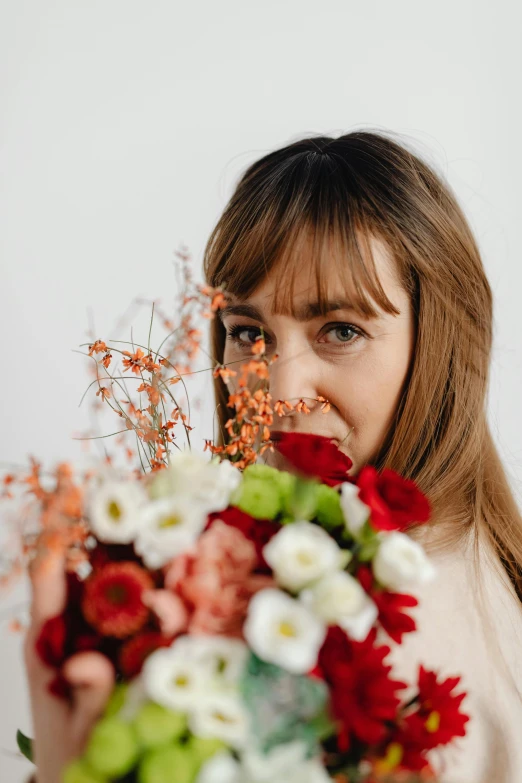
{"points": [[104, 391], [97, 347], [134, 361], [259, 346]]}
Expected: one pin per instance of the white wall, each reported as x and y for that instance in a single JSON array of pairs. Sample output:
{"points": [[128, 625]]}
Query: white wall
{"points": [[124, 124]]}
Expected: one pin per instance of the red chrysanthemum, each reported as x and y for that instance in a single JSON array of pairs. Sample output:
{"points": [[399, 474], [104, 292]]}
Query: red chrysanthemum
{"points": [[134, 651], [258, 531], [392, 617], [438, 718], [395, 502], [112, 599], [363, 696], [315, 456]]}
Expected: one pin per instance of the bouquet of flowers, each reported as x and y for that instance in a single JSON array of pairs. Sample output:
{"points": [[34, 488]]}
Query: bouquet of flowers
{"points": [[247, 611]]}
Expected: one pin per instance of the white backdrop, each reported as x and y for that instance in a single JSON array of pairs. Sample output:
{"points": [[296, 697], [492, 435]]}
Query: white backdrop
{"points": [[124, 125]]}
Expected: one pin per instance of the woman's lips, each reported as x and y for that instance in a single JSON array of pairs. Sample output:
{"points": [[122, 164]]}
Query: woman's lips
{"points": [[276, 435]]}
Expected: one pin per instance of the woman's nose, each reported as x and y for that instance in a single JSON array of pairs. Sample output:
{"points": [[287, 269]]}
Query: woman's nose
{"points": [[292, 376]]}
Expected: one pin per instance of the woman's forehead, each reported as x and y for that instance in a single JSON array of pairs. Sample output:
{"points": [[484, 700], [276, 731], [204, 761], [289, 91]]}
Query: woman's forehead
{"points": [[296, 287]]}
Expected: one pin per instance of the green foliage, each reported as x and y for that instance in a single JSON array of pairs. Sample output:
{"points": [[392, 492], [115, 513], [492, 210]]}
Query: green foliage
{"points": [[283, 706], [25, 745]]}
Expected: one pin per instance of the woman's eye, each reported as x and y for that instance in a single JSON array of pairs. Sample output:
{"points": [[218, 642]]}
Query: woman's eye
{"points": [[244, 335], [343, 334]]}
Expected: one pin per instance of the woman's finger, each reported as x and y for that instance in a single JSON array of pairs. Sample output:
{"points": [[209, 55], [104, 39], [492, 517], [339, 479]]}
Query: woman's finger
{"points": [[91, 676], [48, 585]]}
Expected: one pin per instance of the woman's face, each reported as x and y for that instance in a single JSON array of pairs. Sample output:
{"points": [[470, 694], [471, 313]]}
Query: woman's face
{"points": [[359, 365]]}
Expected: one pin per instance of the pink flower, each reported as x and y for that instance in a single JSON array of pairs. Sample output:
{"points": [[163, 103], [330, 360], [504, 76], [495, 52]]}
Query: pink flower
{"points": [[216, 581], [169, 609]]}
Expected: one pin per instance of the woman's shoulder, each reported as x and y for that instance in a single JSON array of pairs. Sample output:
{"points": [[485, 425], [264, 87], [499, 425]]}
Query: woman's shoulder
{"points": [[469, 623]]}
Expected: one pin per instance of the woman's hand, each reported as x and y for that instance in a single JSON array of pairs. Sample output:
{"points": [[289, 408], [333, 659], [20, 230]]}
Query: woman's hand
{"points": [[61, 729]]}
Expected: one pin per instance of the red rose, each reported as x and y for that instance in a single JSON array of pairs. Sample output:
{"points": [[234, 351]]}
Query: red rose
{"points": [[363, 696], [315, 456], [395, 502]]}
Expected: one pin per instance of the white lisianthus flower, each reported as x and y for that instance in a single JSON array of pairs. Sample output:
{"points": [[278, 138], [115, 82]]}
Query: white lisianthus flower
{"points": [[355, 512], [222, 767], [281, 630], [168, 527], [401, 563], [113, 510], [224, 658], [209, 483], [173, 680], [339, 599], [223, 716], [285, 763], [301, 553]]}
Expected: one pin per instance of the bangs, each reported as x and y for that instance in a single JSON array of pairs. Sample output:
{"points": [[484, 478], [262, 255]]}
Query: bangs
{"points": [[302, 214]]}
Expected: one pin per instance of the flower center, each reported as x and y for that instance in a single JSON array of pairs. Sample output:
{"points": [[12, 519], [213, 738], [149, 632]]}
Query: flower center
{"points": [[305, 558], [114, 511], [433, 722], [117, 594], [222, 718], [181, 681], [170, 521], [287, 629]]}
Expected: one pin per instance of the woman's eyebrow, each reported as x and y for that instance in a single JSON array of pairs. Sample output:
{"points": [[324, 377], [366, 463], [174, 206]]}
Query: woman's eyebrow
{"points": [[306, 312]]}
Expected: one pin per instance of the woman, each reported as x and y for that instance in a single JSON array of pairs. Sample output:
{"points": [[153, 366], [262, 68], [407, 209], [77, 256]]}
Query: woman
{"points": [[354, 260]]}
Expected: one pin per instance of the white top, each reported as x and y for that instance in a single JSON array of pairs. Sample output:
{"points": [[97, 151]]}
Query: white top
{"points": [[469, 623]]}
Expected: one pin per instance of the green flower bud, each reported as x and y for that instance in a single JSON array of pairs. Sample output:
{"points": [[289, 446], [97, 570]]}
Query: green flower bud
{"points": [[203, 748], [169, 764], [258, 497], [117, 700], [113, 748], [156, 725], [79, 771], [329, 513]]}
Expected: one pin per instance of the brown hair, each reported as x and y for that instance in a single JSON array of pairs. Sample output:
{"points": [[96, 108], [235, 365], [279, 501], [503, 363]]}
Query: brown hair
{"points": [[361, 184]]}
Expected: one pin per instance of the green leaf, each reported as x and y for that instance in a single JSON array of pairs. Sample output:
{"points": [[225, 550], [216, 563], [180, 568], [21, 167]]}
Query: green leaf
{"points": [[25, 745], [282, 705]]}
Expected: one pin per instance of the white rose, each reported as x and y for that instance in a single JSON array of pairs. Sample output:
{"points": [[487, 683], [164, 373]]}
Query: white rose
{"points": [[281, 630], [355, 512], [401, 563], [301, 553], [113, 510], [169, 527], [339, 599]]}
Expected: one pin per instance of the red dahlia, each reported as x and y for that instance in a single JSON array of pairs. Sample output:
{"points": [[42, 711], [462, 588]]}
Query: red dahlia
{"points": [[438, 718], [392, 617], [395, 502], [315, 456], [112, 599], [364, 697], [134, 651]]}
